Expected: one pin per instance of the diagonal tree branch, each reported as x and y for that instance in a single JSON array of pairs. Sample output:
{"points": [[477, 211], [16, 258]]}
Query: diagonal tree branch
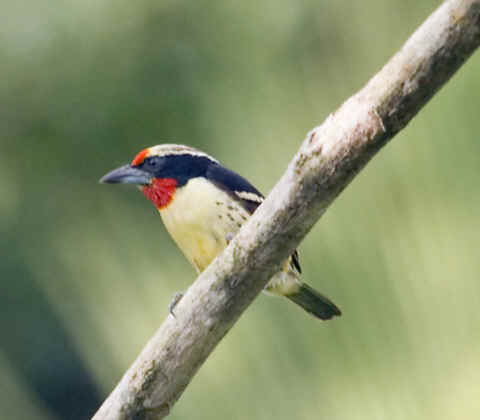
{"points": [[329, 158]]}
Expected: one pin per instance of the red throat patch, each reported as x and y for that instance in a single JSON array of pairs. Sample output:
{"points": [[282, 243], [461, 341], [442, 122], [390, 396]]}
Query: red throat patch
{"points": [[160, 191]]}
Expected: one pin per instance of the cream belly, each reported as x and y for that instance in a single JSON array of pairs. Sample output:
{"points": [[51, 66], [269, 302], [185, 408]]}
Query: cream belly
{"points": [[200, 218]]}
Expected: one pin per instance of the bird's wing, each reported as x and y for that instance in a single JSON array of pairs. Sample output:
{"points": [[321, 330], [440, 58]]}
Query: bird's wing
{"points": [[235, 186], [242, 192]]}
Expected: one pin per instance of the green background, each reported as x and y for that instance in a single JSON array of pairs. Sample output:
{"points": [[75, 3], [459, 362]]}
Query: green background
{"points": [[87, 270]]}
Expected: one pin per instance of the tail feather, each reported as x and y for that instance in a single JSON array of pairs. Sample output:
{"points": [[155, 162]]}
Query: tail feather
{"points": [[314, 303]]}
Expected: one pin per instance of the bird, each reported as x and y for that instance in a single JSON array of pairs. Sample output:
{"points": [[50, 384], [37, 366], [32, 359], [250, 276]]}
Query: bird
{"points": [[203, 204]]}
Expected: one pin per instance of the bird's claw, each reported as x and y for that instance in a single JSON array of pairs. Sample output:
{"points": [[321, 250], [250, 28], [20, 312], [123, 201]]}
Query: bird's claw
{"points": [[228, 237], [176, 298]]}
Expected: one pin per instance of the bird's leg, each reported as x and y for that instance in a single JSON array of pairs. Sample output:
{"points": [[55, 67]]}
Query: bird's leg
{"points": [[176, 298], [229, 236]]}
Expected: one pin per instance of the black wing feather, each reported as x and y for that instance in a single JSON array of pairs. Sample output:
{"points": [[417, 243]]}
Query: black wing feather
{"points": [[230, 182]]}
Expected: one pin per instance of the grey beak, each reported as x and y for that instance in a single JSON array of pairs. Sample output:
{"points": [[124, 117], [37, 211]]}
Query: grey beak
{"points": [[127, 174]]}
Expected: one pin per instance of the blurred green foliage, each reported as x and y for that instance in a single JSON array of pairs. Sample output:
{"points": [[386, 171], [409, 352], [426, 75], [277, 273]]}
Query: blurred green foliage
{"points": [[87, 270]]}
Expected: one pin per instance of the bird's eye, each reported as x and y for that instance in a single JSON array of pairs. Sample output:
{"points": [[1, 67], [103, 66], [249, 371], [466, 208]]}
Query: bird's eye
{"points": [[153, 162]]}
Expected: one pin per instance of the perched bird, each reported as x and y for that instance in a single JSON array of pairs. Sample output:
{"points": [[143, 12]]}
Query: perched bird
{"points": [[203, 205]]}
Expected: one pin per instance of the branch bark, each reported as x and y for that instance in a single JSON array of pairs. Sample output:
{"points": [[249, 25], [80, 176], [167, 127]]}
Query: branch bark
{"points": [[329, 158]]}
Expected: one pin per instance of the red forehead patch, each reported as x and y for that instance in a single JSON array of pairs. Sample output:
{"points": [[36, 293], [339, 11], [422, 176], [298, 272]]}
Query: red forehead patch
{"points": [[138, 160]]}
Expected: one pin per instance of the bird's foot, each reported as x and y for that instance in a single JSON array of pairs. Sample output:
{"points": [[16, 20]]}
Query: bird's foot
{"points": [[229, 236], [176, 298]]}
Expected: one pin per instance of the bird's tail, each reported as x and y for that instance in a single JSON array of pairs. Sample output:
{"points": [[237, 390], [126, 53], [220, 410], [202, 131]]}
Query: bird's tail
{"points": [[313, 302]]}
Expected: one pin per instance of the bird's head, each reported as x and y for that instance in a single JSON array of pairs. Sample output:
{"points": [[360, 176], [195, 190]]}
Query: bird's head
{"points": [[160, 170]]}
